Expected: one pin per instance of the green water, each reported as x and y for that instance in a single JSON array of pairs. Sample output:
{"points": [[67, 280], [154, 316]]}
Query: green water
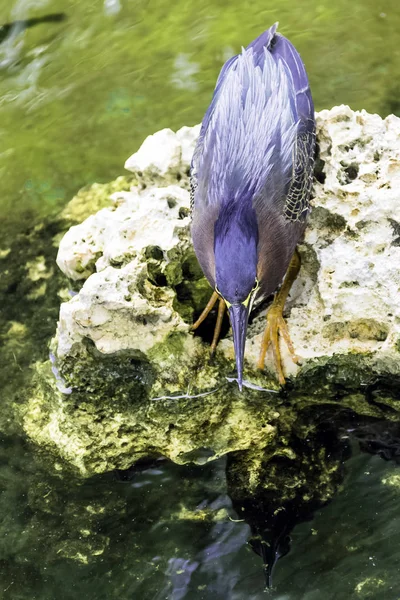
{"points": [[149, 541], [77, 97]]}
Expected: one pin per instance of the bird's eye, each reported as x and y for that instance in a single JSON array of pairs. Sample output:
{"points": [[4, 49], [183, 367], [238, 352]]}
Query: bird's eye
{"points": [[256, 285]]}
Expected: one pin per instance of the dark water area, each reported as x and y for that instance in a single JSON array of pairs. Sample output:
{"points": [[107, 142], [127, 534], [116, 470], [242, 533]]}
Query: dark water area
{"points": [[81, 86], [170, 532]]}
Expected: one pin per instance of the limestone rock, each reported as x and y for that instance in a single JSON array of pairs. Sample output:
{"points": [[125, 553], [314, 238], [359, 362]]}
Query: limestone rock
{"points": [[165, 152], [142, 385], [131, 246]]}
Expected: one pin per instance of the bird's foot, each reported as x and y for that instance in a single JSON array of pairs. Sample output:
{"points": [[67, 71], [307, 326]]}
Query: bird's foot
{"points": [[276, 326]]}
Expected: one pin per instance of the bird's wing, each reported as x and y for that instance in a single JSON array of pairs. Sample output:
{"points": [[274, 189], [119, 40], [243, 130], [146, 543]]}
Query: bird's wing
{"points": [[297, 203], [258, 130], [298, 192]]}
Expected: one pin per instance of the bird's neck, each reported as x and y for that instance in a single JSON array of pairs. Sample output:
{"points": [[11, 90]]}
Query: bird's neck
{"points": [[236, 220], [235, 248]]}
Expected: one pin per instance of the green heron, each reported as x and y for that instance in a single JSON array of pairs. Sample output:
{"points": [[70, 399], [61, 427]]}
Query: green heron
{"points": [[251, 178]]}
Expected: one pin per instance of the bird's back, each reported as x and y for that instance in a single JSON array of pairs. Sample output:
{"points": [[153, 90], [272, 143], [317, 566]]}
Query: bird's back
{"points": [[255, 150]]}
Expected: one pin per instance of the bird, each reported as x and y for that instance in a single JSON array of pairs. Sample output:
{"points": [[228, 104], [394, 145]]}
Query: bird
{"points": [[251, 178]]}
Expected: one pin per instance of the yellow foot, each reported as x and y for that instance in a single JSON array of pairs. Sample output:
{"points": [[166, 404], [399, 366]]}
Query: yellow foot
{"points": [[276, 326]]}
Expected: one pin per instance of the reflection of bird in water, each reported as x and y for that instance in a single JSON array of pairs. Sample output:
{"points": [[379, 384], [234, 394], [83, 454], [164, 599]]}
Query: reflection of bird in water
{"points": [[251, 179], [274, 541], [290, 488], [22, 24]]}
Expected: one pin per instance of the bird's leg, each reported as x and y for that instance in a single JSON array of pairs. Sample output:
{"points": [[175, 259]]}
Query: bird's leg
{"points": [[218, 325], [208, 308], [276, 324]]}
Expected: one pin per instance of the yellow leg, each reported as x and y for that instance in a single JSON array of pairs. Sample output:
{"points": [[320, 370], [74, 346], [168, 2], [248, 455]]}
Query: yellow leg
{"points": [[276, 324], [218, 325], [208, 308], [220, 317]]}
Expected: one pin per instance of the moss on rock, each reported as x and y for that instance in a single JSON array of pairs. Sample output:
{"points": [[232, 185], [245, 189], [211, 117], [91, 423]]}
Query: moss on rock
{"points": [[93, 198], [183, 409]]}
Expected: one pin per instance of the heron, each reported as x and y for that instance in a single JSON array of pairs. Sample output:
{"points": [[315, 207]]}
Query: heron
{"points": [[251, 178]]}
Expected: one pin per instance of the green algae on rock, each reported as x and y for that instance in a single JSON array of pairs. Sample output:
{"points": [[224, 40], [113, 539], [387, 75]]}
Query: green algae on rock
{"points": [[113, 417]]}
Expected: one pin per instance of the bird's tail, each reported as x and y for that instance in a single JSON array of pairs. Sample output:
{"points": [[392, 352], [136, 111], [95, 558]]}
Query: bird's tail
{"points": [[265, 40], [283, 50]]}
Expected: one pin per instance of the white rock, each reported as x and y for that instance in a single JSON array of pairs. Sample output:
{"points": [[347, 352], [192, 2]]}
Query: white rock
{"points": [[117, 305], [160, 153], [346, 299], [165, 153], [113, 317], [117, 234], [137, 255], [188, 137]]}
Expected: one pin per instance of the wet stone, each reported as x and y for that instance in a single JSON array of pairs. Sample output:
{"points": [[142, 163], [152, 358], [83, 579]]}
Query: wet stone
{"points": [[129, 380]]}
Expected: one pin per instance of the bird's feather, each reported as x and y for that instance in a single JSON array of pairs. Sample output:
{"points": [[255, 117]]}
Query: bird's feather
{"points": [[255, 149], [248, 137]]}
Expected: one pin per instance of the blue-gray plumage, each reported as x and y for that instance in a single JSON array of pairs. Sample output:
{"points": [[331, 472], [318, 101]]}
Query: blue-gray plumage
{"points": [[251, 175]]}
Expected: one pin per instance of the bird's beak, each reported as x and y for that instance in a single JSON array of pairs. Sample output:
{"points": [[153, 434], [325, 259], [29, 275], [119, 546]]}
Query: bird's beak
{"points": [[239, 315]]}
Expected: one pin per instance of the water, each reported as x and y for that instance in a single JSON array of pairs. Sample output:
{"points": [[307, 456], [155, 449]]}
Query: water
{"points": [[170, 533], [77, 97]]}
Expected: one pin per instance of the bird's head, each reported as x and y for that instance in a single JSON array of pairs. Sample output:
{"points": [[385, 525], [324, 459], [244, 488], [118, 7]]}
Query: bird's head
{"points": [[235, 248]]}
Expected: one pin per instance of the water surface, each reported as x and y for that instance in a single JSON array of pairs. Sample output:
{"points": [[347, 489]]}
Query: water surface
{"points": [[77, 97]]}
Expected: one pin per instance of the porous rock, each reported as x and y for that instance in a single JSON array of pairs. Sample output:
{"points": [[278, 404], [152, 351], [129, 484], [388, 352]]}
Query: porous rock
{"points": [[140, 384], [345, 302]]}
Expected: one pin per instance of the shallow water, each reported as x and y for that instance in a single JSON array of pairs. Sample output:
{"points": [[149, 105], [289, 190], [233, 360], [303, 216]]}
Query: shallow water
{"points": [[77, 97]]}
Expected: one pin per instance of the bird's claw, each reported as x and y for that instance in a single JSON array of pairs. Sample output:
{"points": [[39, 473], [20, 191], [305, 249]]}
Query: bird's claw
{"points": [[276, 326]]}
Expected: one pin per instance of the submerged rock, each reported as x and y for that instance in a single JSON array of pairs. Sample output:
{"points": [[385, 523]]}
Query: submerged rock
{"points": [[141, 385]]}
